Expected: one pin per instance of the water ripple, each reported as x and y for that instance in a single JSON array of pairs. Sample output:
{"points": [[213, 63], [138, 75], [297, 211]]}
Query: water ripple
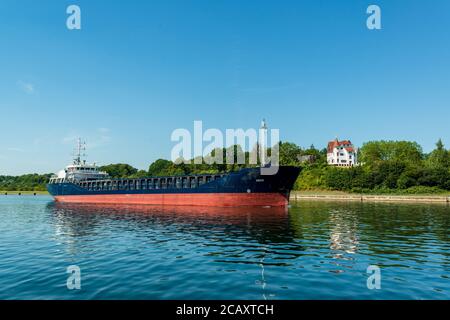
{"points": [[314, 251]]}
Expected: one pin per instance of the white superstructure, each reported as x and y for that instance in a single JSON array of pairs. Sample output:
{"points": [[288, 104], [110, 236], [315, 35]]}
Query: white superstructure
{"points": [[79, 170]]}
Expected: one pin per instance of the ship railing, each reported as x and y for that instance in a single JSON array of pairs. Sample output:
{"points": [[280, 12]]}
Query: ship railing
{"points": [[155, 183], [54, 180], [60, 180]]}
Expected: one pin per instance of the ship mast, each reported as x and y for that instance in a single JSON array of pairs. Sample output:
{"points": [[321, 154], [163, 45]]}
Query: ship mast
{"points": [[79, 152]]}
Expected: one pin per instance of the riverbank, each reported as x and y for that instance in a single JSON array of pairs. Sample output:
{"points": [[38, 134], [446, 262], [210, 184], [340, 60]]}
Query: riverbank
{"points": [[23, 193], [342, 196]]}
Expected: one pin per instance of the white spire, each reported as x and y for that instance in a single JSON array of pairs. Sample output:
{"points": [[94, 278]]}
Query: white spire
{"points": [[263, 142], [263, 124]]}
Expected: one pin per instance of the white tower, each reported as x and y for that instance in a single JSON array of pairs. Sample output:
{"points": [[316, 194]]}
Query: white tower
{"points": [[263, 143]]}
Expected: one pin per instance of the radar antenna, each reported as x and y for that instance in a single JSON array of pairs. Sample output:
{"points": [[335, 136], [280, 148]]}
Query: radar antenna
{"points": [[79, 152]]}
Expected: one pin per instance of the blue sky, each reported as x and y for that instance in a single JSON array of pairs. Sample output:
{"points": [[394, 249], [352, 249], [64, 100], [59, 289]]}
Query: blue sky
{"points": [[138, 70]]}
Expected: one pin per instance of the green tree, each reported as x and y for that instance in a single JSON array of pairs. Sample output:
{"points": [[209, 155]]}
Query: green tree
{"points": [[338, 178], [387, 173], [119, 170], [289, 153], [140, 174], [28, 182], [409, 177], [311, 178], [319, 155], [439, 157], [160, 167], [435, 177], [403, 151]]}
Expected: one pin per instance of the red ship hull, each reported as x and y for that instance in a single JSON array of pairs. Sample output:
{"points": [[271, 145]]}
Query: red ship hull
{"points": [[183, 199]]}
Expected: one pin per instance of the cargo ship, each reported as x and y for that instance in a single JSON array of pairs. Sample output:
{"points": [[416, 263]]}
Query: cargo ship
{"points": [[80, 182]]}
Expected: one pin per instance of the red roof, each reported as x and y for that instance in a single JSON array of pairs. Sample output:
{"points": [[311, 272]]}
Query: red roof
{"points": [[336, 143]]}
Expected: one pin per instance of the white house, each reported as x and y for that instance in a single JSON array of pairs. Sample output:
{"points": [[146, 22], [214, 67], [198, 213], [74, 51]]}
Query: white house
{"points": [[342, 153]]}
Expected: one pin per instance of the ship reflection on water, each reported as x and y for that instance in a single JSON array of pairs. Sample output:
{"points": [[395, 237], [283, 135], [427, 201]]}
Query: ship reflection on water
{"points": [[241, 235], [259, 236], [261, 223], [247, 224]]}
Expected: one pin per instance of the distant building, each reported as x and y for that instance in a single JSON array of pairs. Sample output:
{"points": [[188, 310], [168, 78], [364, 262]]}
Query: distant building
{"points": [[309, 158], [342, 153]]}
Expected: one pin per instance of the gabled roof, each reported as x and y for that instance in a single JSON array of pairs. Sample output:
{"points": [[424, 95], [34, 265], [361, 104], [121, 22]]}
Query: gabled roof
{"points": [[350, 149], [336, 143]]}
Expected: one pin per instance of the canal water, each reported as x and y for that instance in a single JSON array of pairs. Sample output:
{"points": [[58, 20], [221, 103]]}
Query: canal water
{"points": [[314, 250]]}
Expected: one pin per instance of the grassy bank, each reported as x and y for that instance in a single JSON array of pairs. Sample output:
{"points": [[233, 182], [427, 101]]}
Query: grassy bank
{"points": [[24, 193], [322, 195], [323, 192]]}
